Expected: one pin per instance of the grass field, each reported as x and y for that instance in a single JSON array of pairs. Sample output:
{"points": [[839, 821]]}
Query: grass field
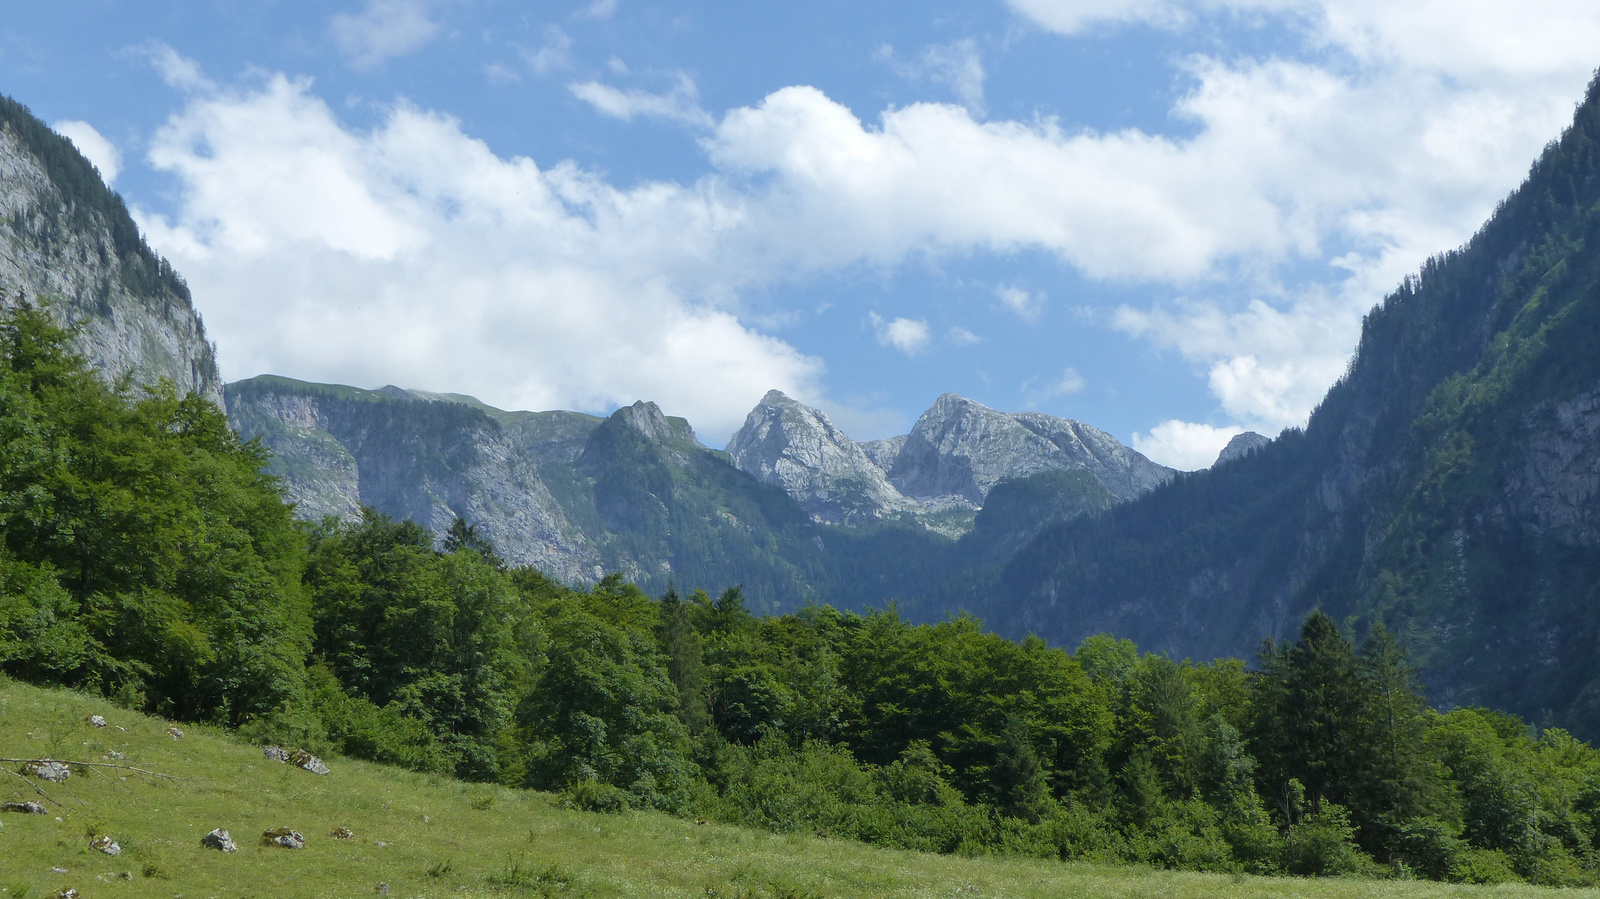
{"points": [[429, 836]]}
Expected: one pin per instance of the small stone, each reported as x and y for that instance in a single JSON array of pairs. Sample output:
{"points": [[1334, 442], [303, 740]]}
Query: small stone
{"points": [[276, 753], [175, 733], [342, 833], [382, 889], [105, 844], [220, 840], [283, 836], [22, 808], [381, 844], [309, 762], [426, 820], [58, 870], [66, 893], [44, 769], [95, 720], [114, 755]]}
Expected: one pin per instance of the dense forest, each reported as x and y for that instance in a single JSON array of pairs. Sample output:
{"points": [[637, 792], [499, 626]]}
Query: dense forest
{"points": [[145, 556]]}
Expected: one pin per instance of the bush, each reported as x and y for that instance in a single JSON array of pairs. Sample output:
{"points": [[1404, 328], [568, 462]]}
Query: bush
{"points": [[1323, 844], [1484, 866], [594, 796]]}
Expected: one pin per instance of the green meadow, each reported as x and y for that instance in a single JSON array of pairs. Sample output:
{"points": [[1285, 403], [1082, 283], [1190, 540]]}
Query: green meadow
{"points": [[427, 835]]}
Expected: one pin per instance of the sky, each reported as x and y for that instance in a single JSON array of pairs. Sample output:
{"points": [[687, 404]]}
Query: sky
{"points": [[1162, 218]]}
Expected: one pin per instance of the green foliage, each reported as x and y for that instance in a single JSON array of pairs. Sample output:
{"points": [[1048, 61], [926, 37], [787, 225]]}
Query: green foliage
{"points": [[604, 710], [146, 554], [422, 634]]}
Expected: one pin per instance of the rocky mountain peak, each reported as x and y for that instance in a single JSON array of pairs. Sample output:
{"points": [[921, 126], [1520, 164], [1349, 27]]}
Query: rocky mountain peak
{"points": [[1241, 445], [962, 448], [646, 418], [790, 445]]}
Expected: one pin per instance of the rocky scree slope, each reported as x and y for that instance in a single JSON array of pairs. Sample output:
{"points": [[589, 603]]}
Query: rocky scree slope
{"points": [[67, 239], [1448, 485]]}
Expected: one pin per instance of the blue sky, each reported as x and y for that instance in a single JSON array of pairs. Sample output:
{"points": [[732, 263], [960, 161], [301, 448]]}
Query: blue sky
{"points": [[1163, 218]]}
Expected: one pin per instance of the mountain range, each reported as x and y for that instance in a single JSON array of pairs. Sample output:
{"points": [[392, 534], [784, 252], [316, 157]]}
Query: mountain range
{"points": [[1448, 486], [786, 510]]}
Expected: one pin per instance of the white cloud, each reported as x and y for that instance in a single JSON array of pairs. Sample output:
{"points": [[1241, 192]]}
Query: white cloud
{"points": [[177, 71], [680, 104], [962, 337], [1024, 303], [909, 336], [1184, 445], [1353, 170], [412, 254], [599, 9], [957, 66], [1394, 142], [551, 56], [386, 29], [1070, 382], [1267, 367], [1074, 16], [93, 145]]}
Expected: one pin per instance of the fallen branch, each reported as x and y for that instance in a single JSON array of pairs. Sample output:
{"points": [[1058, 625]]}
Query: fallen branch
{"points": [[69, 762], [42, 794]]}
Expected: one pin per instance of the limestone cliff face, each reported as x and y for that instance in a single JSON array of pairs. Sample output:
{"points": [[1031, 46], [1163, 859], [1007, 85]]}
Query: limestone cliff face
{"points": [[962, 448], [67, 240], [796, 448], [336, 449]]}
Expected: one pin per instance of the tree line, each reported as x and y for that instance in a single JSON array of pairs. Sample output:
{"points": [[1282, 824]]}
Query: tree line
{"points": [[144, 555]]}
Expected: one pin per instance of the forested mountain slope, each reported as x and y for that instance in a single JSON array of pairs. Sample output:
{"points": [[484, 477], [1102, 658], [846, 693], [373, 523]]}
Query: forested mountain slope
{"points": [[1447, 484], [67, 238]]}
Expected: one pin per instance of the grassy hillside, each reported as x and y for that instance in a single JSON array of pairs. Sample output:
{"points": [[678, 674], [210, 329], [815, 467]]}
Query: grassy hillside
{"points": [[430, 836]]}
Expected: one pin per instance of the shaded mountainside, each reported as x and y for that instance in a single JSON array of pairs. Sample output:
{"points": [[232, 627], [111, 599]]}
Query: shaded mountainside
{"points": [[1448, 485], [66, 238]]}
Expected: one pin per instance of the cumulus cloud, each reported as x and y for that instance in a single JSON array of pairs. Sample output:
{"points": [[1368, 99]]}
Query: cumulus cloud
{"points": [[909, 336], [384, 30], [679, 104], [1402, 139], [1352, 171], [957, 66], [962, 337], [412, 253], [1184, 445], [93, 145]]}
